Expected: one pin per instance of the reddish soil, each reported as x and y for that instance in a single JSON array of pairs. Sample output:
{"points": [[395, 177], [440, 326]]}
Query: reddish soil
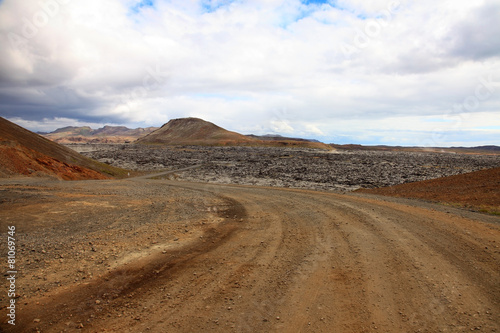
{"points": [[478, 190], [19, 160], [25, 153]]}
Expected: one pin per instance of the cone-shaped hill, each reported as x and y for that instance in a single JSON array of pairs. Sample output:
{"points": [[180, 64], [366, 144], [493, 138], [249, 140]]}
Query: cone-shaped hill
{"points": [[23, 152], [193, 131], [198, 132]]}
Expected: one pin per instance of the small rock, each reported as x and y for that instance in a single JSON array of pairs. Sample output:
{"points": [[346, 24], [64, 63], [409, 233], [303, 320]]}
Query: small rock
{"points": [[36, 320]]}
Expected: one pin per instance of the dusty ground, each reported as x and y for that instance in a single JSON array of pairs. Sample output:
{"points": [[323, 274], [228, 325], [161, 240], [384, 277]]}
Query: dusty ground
{"points": [[162, 256]]}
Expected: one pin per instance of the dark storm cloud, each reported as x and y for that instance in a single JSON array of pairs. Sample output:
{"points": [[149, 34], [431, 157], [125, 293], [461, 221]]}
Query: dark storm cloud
{"points": [[54, 102]]}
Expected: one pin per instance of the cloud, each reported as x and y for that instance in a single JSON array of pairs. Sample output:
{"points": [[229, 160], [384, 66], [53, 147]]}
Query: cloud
{"points": [[292, 67], [472, 36]]}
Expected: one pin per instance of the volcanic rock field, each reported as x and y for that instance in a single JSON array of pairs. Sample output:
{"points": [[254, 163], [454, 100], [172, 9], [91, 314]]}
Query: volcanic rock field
{"points": [[335, 170]]}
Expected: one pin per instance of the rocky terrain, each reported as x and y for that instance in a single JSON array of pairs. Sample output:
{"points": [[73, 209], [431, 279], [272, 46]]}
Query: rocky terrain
{"points": [[298, 168], [152, 254], [488, 150]]}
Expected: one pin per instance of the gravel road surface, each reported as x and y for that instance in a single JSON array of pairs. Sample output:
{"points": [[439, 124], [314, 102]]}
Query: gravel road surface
{"points": [[145, 255]]}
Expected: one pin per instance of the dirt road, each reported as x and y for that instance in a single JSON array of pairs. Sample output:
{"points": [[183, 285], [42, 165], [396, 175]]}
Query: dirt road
{"points": [[161, 256]]}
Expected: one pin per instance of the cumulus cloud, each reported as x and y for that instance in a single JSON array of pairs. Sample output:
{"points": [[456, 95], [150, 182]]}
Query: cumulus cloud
{"points": [[265, 66]]}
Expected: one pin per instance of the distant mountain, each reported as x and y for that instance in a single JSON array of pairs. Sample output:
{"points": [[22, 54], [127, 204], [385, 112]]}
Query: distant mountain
{"points": [[277, 137], [482, 148], [26, 153], [107, 134], [84, 130], [451, 150], [195, 131]]}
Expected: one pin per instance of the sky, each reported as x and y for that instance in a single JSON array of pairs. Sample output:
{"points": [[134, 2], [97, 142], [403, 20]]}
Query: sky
{"points": [[409, 73]]}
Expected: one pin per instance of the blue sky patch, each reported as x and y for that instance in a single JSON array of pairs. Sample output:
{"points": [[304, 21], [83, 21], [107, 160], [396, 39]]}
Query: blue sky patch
{"points": [[488, 127], [210, 6], [315, 2], [310, 7], [142, 4]]}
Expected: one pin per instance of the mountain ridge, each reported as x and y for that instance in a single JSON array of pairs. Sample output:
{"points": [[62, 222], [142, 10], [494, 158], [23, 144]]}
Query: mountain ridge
{"points": [[106, 134]]}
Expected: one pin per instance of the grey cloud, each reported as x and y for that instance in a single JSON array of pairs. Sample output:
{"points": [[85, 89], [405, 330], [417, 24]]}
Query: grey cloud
{"points": [[473, 38], [419, 61], [54, 102], [477, 37]]}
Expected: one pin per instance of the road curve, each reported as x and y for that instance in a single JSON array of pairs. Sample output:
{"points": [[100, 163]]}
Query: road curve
{"points": [[305, 261], [165, 173]]}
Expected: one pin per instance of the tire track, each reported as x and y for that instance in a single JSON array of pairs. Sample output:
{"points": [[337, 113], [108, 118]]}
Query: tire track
{"points": [[304, 261]]}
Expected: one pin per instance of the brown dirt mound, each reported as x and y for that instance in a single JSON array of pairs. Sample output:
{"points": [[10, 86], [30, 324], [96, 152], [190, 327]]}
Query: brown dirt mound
{"points": [[188, 131], [25, 153], [478, 190], [195, 131]]}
